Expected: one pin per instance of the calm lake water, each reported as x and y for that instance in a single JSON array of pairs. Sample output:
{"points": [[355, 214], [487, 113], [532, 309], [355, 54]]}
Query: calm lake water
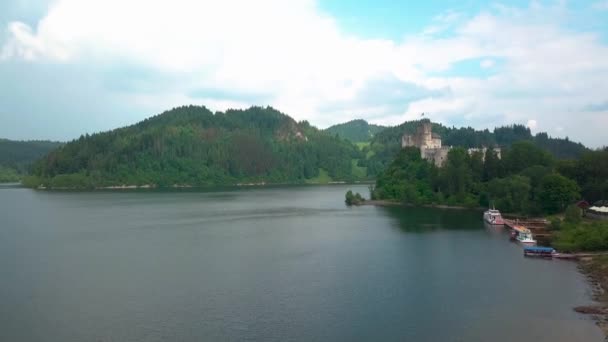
{"points": [[270, 264]]}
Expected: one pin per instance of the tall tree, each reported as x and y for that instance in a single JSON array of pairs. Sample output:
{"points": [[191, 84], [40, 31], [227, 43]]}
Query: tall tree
{"points": [[457, 174], [524, 154], [557, 192], [492, 165]]}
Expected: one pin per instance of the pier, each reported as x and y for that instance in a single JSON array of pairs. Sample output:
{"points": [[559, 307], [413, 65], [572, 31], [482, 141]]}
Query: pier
{"points": [[538, 226], [540, 230]]}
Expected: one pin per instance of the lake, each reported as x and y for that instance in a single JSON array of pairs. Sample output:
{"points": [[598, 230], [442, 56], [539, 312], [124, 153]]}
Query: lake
{"points": [[270, 264]]}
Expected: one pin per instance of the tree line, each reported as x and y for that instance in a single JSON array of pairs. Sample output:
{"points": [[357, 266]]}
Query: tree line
{"points": [[16, 157], [528, 179], [385, 145], [190, 145], [355, 130]]}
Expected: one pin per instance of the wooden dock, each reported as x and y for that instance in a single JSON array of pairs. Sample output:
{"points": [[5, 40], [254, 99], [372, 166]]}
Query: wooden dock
{"points": [[538, 227], [540, 231]]}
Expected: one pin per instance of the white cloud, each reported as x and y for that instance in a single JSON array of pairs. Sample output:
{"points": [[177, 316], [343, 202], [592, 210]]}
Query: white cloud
{"points": [[303, 62], [487, 63], [532, 124], [289, 49], [443, 22]]}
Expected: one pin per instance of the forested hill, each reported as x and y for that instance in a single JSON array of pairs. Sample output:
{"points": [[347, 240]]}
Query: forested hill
{"points": [[526, 180], [355, 130], [192, 146], [17, 156], [387, 143]]}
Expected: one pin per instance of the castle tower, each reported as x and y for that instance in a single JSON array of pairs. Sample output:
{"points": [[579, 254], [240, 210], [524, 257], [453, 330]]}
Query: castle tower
{"points": [[427, 134]]}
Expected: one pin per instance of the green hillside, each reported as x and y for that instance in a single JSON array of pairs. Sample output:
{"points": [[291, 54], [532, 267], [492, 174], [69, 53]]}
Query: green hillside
{"points": [[191, 146], [16, 157], [526, 180], [355, 130]]}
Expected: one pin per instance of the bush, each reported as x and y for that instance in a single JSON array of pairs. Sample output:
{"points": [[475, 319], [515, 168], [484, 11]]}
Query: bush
{"points": [[353, 199], [583, 237], [471, 201], [573, 214], [555, 223], [8, 175], [32, 181], [71, 181]]}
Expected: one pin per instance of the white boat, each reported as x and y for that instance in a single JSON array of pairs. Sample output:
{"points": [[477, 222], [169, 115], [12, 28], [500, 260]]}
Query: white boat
{"points": [[493, 217], [523, 235], [526, 239]]}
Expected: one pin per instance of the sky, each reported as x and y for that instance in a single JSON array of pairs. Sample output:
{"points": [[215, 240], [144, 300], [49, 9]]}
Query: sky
{"points": [[70, 67]]}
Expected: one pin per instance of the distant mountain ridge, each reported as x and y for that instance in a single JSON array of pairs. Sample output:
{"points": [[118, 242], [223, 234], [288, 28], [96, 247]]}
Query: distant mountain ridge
{"points": [[16, 157], [18, 154], [355, 130]]}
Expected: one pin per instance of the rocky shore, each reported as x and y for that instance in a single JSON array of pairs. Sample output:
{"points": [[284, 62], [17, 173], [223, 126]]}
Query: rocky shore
{"points": [[595, 268]]}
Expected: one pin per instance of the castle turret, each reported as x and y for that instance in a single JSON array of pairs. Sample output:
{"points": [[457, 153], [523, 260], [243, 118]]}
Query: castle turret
{"points": [[427, 134], [428, 143]]}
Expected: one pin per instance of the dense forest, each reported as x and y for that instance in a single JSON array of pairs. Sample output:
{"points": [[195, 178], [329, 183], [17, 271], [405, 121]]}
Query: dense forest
{"points": [[537, 175], [192, 146], [528, 179], [355, 130], [385, 145], [16, 157]]}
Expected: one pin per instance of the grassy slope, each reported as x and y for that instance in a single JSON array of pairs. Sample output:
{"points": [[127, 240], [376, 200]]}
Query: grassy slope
{"points": [[358, 171], [355, 130], [322, 178]]}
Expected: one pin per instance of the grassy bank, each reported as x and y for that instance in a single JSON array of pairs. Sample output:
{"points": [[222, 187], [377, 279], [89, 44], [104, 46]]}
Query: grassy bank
{"points": [[580, 235]]}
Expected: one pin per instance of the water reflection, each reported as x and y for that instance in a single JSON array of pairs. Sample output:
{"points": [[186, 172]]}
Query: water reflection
{"points": [[495, 230], [10, 185], [422, 219], [291, 264]]}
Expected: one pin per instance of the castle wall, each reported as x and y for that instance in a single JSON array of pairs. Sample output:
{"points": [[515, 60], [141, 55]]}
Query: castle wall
{"points": [[437, 155], [441, 156], [430, 146], [407, 140], [435, 143]]}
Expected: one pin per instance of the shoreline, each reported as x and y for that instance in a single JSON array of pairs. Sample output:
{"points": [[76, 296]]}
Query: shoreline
{"points": [[388, 203], [595, 271], [593, 266], [190, 186]]}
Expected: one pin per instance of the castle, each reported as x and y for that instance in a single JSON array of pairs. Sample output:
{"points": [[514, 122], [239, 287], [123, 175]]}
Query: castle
{"points": [[428, 143], [430, 147]]}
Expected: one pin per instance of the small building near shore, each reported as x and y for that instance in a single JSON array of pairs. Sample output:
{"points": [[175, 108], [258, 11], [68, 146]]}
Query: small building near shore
{"points": [[598, 213], [583, 204]]}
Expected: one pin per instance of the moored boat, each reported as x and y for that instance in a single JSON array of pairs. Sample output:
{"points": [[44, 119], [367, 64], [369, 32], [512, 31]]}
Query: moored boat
{"points": [[542, 252], [493, 217], [523, 235]]}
